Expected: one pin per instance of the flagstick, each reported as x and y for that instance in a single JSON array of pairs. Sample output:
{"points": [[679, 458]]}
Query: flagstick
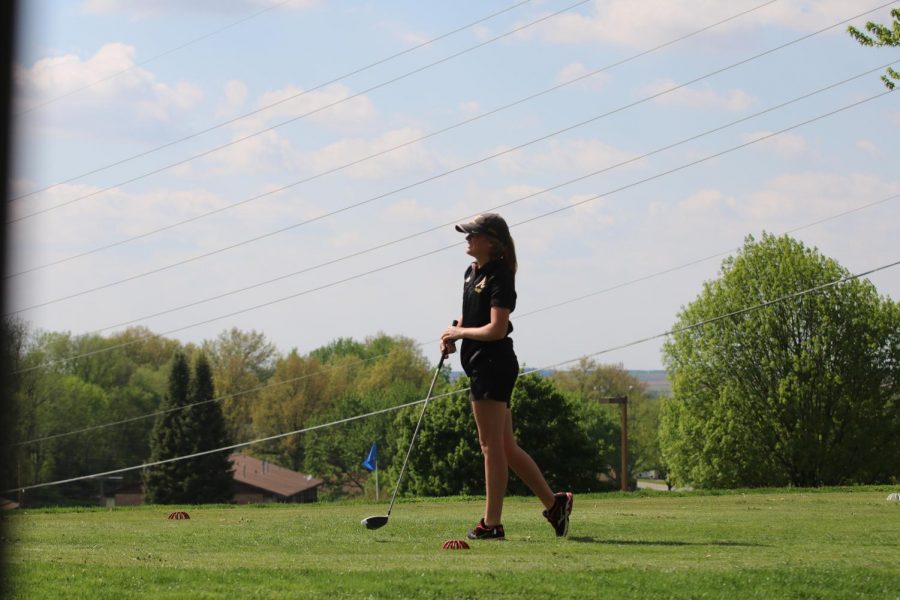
{"points": [[376, 480]]}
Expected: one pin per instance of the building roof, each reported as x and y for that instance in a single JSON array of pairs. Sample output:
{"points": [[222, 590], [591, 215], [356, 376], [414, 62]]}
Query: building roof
{"points": [[270, 477]]}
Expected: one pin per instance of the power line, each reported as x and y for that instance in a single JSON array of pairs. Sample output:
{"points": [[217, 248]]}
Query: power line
{"points": [[755, 307], [495, 208], [303, 116], [141, 64], [426, 254], [701, 260], [233, 446], [242, 139], [673, 331], [389, 193], [268, 106], [421, 344], [391, 149], [706, 158], [257, 388]]}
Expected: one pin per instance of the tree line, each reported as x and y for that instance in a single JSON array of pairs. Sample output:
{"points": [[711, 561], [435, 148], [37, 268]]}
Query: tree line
{"points": [[166, 398], [803, 391]]}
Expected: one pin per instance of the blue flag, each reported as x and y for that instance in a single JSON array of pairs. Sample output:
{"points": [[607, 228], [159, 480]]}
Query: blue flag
{"points": [[371, 461]]}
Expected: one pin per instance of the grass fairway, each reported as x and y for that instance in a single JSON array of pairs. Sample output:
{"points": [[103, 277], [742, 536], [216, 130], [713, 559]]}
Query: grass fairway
{"points": [[835, 543]]}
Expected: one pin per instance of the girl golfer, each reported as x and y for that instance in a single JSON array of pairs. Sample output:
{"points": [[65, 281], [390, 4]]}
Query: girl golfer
{"points": [[487, 357]]}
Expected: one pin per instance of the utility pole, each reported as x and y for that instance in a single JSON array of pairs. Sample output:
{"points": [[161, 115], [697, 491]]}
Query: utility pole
{"points": [[622, 401]]}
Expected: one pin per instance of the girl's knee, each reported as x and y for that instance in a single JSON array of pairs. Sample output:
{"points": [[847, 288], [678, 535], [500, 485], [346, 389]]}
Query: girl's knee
{"points": [[487, 445]]}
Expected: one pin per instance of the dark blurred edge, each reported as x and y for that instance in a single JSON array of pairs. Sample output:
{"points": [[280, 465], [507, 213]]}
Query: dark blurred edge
{"points": [[7, 47]]}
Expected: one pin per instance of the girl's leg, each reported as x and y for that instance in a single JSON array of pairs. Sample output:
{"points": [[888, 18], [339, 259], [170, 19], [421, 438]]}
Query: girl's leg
{"points": [[524, 466], [490, 416]]}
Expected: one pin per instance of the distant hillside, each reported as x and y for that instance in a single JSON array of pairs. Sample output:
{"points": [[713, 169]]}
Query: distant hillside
{"points": [[657, 382]]}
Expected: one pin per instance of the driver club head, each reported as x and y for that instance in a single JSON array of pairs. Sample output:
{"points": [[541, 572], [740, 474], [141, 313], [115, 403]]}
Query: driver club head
{"points": [[374, 522]]}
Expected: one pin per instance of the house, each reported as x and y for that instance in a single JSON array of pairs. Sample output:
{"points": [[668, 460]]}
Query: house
{"points": [[130, 494], [255, 481]]}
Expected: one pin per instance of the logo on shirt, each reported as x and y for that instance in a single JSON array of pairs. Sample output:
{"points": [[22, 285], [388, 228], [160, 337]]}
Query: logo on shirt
{"points": [[479, 287]]}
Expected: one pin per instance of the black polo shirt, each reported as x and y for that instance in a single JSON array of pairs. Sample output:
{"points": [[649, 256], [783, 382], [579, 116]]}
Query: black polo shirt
{"points": [[491, 285]]}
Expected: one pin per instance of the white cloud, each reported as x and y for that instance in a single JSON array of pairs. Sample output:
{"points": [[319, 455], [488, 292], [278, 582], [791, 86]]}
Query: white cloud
{"points": [[482, 33], [683, 229], [642, 24], [401, 32], [580, 156], [813, 195], [701, 96], [112, 89], [785, 145], [403, 160], [588, 206], [261, 151], [166, 100], [234, 98], [141, 9], [331, 106], [586, 221], [409, 210], [868, 147], [470, 109], [119, 214], [104, 217], [67, 72], [577, 70], [704, 201], [779, 204]]}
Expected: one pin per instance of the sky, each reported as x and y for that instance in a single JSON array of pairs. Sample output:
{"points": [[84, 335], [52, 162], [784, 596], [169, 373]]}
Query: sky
{"points": [[295, 168]]}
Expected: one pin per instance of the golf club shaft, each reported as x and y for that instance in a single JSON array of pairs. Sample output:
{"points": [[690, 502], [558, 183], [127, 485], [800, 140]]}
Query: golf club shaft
{"points": [[416, 432]]}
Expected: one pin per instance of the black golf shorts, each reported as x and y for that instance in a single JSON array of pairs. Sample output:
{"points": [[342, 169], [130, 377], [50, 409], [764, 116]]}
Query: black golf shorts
{"points": [[492, 376]]}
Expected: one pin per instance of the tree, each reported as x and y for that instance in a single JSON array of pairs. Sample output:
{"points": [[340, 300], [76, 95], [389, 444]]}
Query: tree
{"points": [[381, 372], [448, 460], [392, 361], [375, 364], [57, 401], [804, 391], [164, 484], [241, 361], [190, 423], [335, 454], [883, 36], [210, 477], [548, 427], [645, 434], [295, 394], [586, 382], [323, 386]]}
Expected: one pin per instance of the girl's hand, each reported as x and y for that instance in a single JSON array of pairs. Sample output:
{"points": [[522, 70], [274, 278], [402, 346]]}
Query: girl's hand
{"points": [[449, 337], [451, 334], [447, 348]]}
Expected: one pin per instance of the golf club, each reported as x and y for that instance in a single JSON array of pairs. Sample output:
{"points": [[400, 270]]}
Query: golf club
{"points": [[378, 521]]}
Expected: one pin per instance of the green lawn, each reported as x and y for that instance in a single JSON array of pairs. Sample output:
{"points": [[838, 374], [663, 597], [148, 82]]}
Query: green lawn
{"points": [[774, 544]]}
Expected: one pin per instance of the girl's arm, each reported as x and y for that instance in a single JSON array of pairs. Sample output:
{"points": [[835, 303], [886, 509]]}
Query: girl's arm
{"points": [[495, 330]]}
